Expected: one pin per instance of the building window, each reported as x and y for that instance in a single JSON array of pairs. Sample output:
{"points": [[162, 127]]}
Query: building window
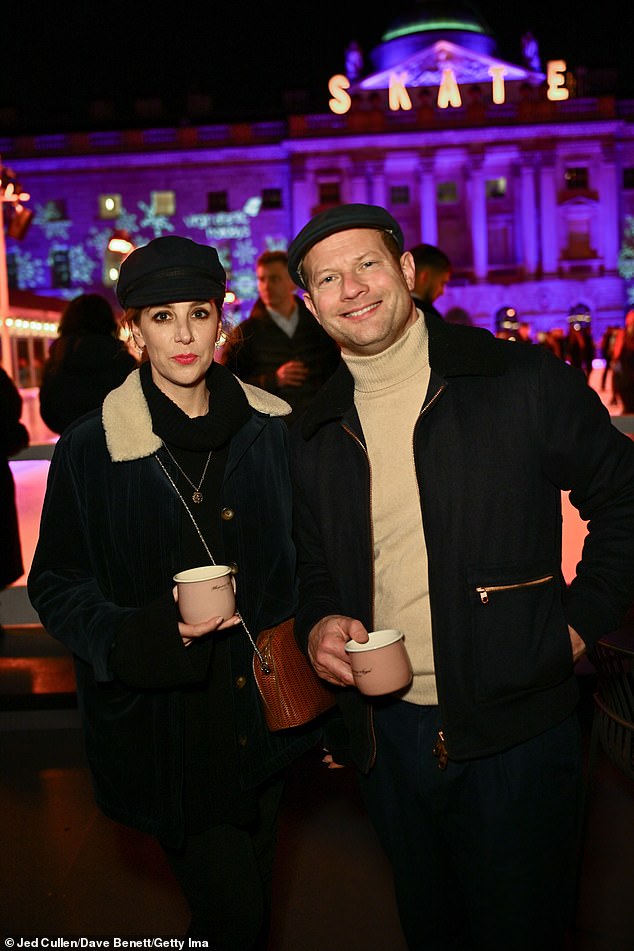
{"points": [[109, 206], [329, 193], [271, 198], [628, 178], [576, 178], [164, 203], [496, 188], [55, 210], [60, 268], [446, 193], [217, 201], [399, 194]]}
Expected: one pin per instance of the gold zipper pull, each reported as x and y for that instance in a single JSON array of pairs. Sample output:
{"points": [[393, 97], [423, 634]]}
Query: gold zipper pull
{"points": [[440, 751], [484, 595]]}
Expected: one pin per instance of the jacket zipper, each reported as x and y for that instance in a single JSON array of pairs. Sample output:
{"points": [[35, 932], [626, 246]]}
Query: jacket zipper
{"points": [[440, 748], [356, 439], [485, 591]]}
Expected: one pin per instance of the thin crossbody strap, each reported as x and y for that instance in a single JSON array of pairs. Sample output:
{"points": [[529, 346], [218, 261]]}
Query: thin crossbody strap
{"points": [[263, 663]]}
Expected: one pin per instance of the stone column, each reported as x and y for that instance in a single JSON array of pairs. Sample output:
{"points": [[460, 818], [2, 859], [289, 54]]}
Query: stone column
{"points": [[303, 200], [359, 189], [548, 217], [528, 218], [479, 235], [608, 211], [377, 190], [427, 199]]}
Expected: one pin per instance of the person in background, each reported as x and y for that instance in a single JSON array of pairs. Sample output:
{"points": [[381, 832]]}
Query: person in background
{"points": [[279, 347], [14, 437], [608, 342], [432, 272], [458, 315], [554, 340], [428, 475], [579, 347], [182, 466], [623, 364], [85, 362], [524, 332]]}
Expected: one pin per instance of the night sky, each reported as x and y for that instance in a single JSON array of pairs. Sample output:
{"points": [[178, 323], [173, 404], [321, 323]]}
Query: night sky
{"points": [[74, 52]]}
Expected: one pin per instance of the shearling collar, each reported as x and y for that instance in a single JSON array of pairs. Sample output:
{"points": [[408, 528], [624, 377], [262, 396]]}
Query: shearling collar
{"points": [[128, 425]]}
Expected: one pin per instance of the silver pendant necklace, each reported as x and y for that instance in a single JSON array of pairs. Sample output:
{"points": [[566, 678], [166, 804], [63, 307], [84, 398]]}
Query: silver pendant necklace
{"points": [[197, 495]]}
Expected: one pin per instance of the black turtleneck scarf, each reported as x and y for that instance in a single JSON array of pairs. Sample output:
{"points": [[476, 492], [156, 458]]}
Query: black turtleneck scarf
{"points": [[212, 792], [190, 441]]}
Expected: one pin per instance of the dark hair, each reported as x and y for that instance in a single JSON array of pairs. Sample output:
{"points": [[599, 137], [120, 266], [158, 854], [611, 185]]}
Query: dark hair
{"points": [[458, 315], [272, 257], [88, 314], [429, 256]]}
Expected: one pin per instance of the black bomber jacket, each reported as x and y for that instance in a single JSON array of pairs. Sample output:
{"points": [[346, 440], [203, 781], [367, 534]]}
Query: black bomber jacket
{"points": [[504, 429]]}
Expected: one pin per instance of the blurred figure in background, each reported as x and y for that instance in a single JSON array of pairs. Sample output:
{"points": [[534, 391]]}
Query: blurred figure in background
{"points": [[608, 342], [553, 340], [580, 349], [432, 274], [524, 332], [458, 315], [280, 347], [85, 362], [623, 364], [13, 437]]}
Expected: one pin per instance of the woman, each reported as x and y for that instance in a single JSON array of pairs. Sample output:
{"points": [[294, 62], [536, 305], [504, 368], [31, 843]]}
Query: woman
{"points": [[85, 362], [181, 465]]}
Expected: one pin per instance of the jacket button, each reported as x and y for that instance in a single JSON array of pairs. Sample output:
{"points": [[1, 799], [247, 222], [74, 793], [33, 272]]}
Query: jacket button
{"points": [[241, 681], [242, 740], [227, 514], [233, 566]]}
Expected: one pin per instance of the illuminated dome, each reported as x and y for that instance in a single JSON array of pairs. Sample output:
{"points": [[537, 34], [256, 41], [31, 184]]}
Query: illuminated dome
{"points": [[427, 22]]}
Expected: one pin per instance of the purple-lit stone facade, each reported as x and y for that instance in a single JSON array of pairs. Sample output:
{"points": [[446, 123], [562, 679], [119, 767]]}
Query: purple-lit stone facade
{"points": [[530, 204]]}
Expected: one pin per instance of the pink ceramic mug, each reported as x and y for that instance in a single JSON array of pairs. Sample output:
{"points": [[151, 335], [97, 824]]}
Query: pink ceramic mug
{"points": [[382, 664], [206, 592]]}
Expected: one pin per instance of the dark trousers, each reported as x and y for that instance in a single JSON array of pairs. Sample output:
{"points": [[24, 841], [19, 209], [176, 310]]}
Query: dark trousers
{"points": [[483, 852], [225, 873]]}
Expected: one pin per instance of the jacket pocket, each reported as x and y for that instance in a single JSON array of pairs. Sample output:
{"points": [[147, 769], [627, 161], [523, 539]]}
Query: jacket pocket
{"points": [[520, 634]]}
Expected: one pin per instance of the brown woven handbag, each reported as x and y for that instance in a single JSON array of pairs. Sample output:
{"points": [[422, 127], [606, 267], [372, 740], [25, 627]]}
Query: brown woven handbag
{"points": [[292, 693]]}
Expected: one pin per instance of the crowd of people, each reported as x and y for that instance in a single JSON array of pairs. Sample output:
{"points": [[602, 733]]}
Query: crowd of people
{"points": [[578, 348], [354, 457]]}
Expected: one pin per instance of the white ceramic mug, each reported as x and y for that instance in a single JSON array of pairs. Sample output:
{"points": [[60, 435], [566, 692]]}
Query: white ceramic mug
{"points": [[206, 592], [382, 664]]}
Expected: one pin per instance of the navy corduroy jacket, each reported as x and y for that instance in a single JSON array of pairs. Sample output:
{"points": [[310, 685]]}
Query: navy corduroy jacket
{"points": [[109, 546]]}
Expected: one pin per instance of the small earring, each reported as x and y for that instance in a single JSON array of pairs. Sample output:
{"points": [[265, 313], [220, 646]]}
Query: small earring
{"points": [[139, 349]]}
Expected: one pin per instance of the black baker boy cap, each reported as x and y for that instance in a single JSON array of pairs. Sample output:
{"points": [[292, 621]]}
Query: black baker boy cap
{"points": [[168, 270], [333, 220]]}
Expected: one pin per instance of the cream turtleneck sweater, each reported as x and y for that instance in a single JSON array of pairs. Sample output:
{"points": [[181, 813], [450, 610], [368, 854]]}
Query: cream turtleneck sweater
{"points": [[389, 391]]}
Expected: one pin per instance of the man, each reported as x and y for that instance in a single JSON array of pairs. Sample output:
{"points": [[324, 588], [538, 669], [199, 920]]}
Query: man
{"points": [[280, 347], [432, 272], [428, 474]]}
